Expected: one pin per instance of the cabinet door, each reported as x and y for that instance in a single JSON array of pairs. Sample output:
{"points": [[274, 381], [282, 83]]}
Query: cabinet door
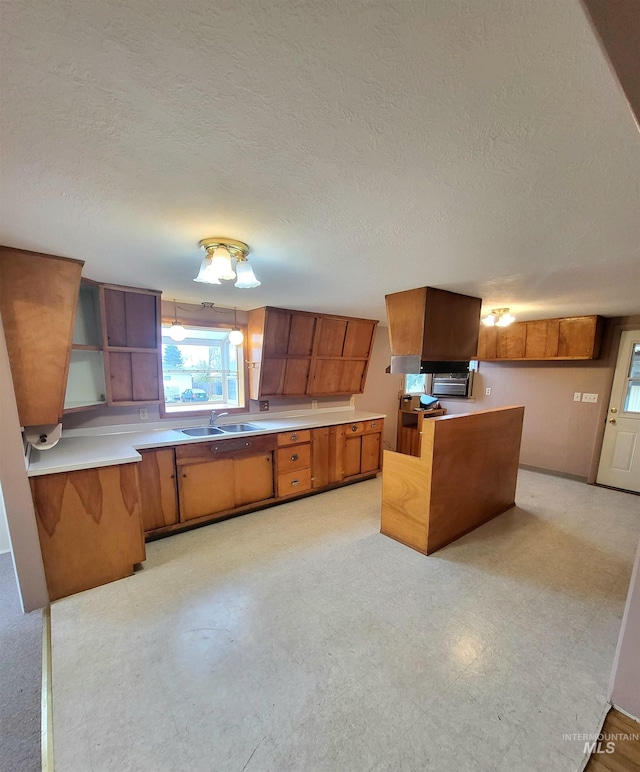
{"points": [[541, 339], [331, 337], [284, 377], [130, 319], [352, 455], [144, 377], [120, 381], [205, 488], [511, 341], [577, 338], [141, 320], [338, 376], [158, 494], [370, 453], [253, 479], [327, 452], [359, 338], [89, 527], [488, 343], [288, 333]]}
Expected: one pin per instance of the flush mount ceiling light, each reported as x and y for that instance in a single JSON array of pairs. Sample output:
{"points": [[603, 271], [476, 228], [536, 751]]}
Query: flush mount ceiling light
{"points": [[176, 332], [499, 317], [217, 264]]}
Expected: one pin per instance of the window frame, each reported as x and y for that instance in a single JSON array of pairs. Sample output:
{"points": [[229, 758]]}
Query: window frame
{"points": [[243, 372]]}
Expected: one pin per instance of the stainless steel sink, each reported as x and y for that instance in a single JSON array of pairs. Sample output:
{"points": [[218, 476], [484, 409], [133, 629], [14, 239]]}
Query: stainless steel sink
{"points": [[201, 431], [238, 428]]}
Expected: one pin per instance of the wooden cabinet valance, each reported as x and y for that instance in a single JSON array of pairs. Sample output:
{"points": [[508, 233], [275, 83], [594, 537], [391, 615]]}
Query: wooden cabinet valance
{"points": [[298, 353], [38, 299], [569, 338]]}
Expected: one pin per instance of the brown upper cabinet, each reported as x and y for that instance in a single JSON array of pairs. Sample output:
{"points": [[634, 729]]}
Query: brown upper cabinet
{"points": [[297, 353], [132, 344], [38, 299], [569, 338]]}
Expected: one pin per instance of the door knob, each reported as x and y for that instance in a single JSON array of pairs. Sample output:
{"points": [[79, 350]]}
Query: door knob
{"points": [[614, 409], [612, 421]]}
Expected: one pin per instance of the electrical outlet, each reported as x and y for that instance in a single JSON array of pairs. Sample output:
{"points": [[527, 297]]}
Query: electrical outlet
{"points": [[314, 404], [352, 402], [589, 397], [143, 413], [577, 396], [264, 405], [487, 391]]}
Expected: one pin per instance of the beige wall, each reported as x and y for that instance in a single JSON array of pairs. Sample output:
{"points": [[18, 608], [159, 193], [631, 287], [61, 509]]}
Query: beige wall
{"points": [[381, 391], [16, 495]]}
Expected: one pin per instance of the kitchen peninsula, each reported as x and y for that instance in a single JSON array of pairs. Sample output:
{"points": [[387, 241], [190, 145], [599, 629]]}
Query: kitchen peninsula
{"points": [[464, 476]]}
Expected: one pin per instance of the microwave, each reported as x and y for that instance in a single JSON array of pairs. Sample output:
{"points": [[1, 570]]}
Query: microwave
{"points": [[452, 384]]}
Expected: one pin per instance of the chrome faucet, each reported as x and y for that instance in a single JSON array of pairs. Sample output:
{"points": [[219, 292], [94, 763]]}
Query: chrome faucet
{"points": [[214, 417]]}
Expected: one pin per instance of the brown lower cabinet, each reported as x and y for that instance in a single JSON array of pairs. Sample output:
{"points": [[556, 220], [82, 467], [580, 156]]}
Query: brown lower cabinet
{"points": [[158, 493], [91, 522], [89, 526], [218, 477]]}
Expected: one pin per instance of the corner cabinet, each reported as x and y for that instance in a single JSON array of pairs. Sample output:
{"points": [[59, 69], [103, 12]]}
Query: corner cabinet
{"points": [[298, 353], [132, 345], [564, 339], [38, 299]]}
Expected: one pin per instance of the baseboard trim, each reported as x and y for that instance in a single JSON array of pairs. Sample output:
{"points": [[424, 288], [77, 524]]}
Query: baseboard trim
{"points": [[626, 713], [553, 473], [46, 705]]}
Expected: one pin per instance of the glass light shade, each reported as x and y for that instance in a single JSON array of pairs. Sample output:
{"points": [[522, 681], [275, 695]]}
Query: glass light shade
{"points": [[505, 320], [177, 332], [221, 264], [246, 276], [206, 275], [489, 320], [236, 337]]}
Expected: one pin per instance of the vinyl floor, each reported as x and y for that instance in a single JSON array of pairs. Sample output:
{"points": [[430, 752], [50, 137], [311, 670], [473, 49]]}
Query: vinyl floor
{"points": [[299, 639]]}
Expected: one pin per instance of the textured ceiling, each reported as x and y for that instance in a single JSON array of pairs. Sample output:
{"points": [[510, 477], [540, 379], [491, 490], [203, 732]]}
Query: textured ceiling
{"points": [[360, 147]]}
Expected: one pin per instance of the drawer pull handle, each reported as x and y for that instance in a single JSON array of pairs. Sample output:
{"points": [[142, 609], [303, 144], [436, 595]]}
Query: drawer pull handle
{"points": [[294, 437], [294, 482], [354, 428], [373, 425], [295, 457]]}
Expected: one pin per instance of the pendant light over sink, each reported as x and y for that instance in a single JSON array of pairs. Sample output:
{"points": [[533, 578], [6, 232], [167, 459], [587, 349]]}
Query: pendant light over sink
{"points": [[217, 265], [176, 332], [235, 336]]}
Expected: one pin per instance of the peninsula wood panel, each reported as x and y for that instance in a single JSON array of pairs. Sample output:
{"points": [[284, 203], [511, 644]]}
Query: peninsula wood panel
{"points": [[38, 300], [467, 473], [158, 492], [89, 527]]}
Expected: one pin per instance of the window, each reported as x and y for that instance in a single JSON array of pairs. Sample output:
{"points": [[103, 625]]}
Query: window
{"points": [[202, 372], [415, 384], [632, 399]]}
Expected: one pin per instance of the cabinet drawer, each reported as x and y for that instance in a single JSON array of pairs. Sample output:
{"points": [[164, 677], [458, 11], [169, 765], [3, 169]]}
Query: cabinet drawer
{"points": [[291, 438], [295, 457], [294, 482], [354, 428], [203, 451], [373, 426]]}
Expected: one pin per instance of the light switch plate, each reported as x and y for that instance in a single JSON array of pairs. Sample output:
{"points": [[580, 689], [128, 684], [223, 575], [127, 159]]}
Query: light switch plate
{"points": [[589, 397], [577, 396]]}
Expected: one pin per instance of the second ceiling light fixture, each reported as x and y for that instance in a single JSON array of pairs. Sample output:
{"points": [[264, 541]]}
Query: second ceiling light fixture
{"points": [[217, 265]]}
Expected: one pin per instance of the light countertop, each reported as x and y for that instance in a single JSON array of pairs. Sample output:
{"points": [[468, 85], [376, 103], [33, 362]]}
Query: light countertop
{"points": [[110, 445]]}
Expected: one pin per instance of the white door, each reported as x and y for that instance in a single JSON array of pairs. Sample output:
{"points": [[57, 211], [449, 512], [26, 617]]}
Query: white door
{"points": [[620, 457]]}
